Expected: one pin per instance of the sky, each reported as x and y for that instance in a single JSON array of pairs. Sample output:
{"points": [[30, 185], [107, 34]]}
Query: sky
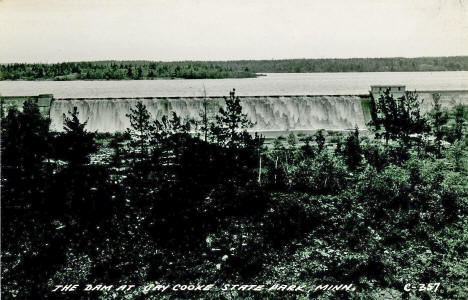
{"points": [[172, 30]]}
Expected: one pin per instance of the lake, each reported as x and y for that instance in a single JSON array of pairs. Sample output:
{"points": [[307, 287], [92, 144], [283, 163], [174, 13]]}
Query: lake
{"points": [[270, 84]]}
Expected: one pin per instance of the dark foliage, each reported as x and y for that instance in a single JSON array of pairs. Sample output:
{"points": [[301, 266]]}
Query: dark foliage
{"points": [[399, 118], [439, 120], [75, 144], [168, 205], [352, 150]]}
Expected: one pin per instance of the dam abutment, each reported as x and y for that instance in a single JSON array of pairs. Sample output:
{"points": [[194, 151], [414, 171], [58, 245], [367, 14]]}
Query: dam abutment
{"points": [[43, 101]]}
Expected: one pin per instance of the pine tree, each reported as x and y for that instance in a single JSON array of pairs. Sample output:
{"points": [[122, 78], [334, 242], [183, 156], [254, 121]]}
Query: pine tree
{"points": [[78, 143], [116, 145], [439, 120], [139, 73], [141, 129], [307, 147], [292, 140], [25, 181], [459, 123], [25, 146], [205, 124], [400, 118], [231, 124], [352, 150], [320, 140], [139, 181]]}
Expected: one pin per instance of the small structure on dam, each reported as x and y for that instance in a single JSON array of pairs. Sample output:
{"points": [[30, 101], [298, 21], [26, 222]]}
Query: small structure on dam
{"points": [[395, 90], [44, 102]]}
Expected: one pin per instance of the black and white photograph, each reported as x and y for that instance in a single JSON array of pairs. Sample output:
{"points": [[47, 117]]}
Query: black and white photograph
{"points": [[248, 149]]}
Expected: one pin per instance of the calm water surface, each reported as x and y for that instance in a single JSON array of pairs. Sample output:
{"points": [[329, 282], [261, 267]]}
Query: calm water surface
{"points": [[271, 84]]}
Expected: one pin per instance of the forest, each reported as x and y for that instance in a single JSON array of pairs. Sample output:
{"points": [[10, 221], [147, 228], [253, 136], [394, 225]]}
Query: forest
{"points": [[138, 70], [161, 204]]}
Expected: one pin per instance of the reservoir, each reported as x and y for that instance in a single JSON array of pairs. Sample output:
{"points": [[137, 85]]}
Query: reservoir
{"points": [[271, 84]]}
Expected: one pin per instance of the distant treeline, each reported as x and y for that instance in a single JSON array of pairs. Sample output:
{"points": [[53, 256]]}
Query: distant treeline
{"points": [[114, 70], [136, 70], [395, 64]]}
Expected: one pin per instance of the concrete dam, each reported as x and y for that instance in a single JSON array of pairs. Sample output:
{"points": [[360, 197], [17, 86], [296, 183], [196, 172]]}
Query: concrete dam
{"points": [[268, 113]]}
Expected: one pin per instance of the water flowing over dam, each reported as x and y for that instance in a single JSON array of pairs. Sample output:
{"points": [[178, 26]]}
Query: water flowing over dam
{"points": [[268, 113], [273, 114]]}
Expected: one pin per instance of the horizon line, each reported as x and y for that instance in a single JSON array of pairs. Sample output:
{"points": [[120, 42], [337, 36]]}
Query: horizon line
{"points": [[233, 60]]}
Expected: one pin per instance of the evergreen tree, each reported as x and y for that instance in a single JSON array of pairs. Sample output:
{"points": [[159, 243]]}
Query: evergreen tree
{"points": [[307, 147], [459, 122], [26, 143], [77, 143], [292, 140], [170, 141], [400, 118], [25, 182], [141, 129], [231, 124], [205, 124], [82, 189], [320, 140], [352, 150], [139, 73], [116, 145], [439, 120], [141, 164], [130, 72], [457, 155]]}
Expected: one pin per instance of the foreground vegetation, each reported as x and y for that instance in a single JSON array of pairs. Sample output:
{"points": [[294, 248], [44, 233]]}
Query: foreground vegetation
{"points": [[136, 70], [219, 207]]}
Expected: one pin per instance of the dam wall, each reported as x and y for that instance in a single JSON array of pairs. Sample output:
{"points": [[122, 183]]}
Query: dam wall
{"points": [[448, 99], [269, 113]]}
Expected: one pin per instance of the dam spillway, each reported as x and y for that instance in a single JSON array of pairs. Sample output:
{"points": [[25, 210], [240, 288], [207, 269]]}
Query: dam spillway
{"points": [[268, 113]]}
